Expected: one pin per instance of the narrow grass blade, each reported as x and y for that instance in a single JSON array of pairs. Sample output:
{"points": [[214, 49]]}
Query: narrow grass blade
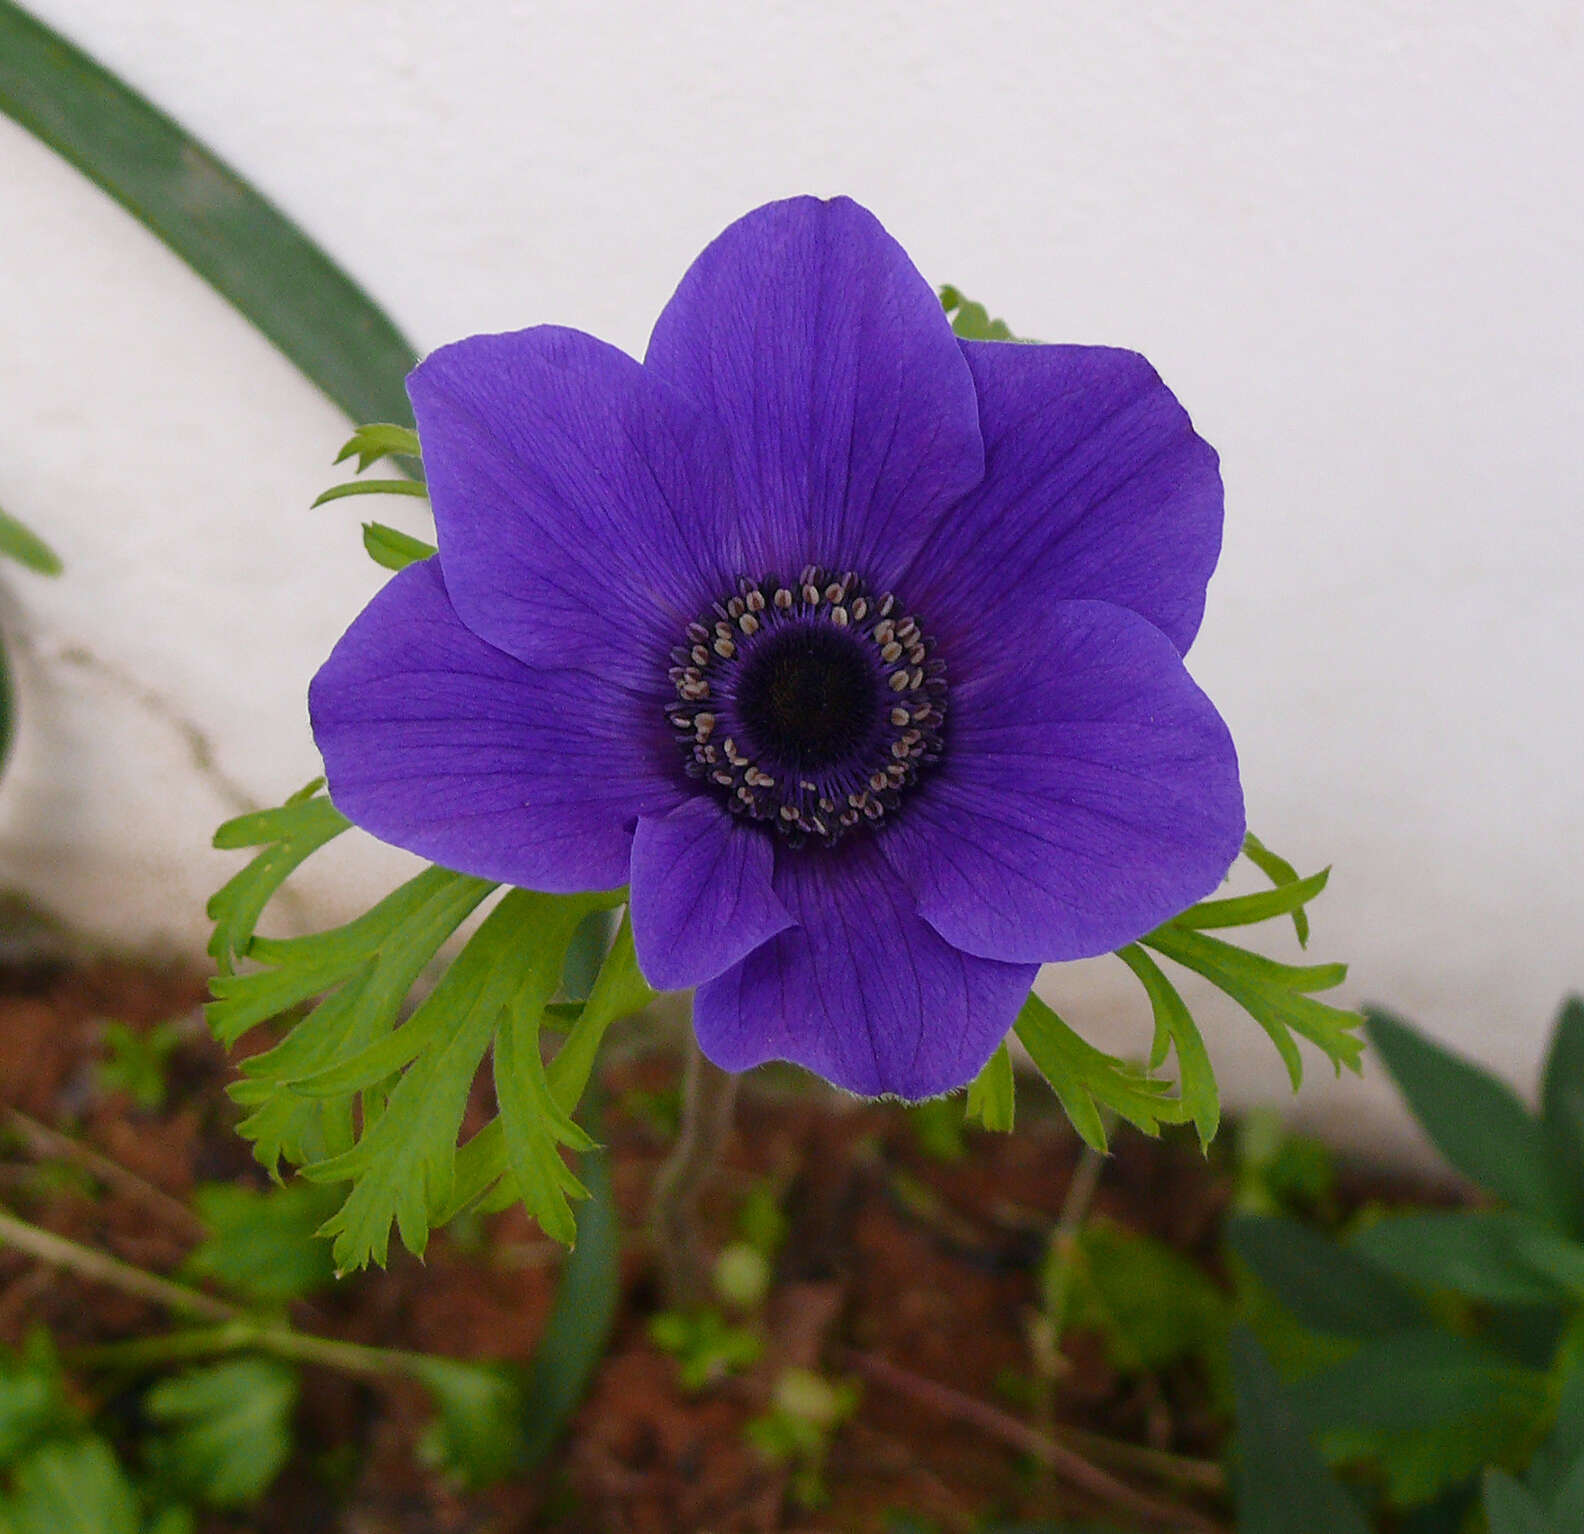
{"points": [[243, 246]]}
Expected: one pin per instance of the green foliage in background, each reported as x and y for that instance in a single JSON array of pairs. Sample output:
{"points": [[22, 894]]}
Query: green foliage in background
{"points": [[1425, 1364], [215, 1404]]}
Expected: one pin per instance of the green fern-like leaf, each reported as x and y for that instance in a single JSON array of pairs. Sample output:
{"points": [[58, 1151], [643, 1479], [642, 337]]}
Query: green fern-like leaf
{"points": [[1087, 1079], [353, 1094]]}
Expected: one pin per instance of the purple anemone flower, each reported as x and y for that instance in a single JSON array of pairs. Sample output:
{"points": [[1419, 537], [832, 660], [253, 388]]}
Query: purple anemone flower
{"points": [[854, 649]]}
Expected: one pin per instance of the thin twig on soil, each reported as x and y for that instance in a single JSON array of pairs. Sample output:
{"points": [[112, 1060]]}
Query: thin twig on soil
{"points": [[1066, 1462], [1064, 1239], [708, 1097], [1050, 1321], [51, 1144], [100, 1267], [235, 1330]]}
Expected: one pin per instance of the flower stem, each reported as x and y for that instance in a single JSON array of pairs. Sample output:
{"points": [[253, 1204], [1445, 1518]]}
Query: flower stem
{"points": [[708, 1096]]}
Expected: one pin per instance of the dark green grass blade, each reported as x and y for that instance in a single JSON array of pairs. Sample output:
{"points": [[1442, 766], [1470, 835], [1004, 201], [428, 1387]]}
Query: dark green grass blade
{"points": [[581, 1318], [245, 248]]}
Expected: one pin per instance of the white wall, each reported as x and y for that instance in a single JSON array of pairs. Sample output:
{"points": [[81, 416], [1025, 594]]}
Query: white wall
{"points": [[1350, 235]]}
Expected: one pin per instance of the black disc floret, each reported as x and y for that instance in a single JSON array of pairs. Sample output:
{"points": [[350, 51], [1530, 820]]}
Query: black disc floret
{"points": [[810, 705]]}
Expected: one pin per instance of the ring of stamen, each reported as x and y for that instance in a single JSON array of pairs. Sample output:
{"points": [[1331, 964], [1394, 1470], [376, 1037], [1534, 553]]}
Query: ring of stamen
{"points": [[810, 705]]}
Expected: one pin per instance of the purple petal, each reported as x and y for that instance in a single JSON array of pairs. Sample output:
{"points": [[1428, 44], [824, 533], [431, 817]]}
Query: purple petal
{"points": [[1095, 486], [584, 515], [440, 743], [1089, 793], [849, 412], [701, 894], [861, 991]]}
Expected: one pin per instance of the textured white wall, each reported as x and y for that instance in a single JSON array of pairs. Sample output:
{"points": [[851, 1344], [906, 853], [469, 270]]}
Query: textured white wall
{"points": [[1351, 236]]}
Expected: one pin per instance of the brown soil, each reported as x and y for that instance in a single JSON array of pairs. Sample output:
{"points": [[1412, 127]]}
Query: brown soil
{"points": [[914, 1276]]}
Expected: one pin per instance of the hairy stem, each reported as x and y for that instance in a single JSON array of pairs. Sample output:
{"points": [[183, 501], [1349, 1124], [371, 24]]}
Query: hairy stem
{"points": [[708, 1095]]}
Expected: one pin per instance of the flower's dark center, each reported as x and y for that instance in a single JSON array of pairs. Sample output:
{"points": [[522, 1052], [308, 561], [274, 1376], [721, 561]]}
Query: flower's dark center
{"points": [[810, 705], [807, 693]]}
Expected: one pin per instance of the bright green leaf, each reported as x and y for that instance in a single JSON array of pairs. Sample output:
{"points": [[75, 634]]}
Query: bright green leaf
{"points": [[1175, 1028], [1474, 1120], [379, 439], [403, 1167], [289, 835], [1327, 1287], [1245, 910], [1280, 872], [371, 487], [393, 549], [26, 547], [1275, 995], [389, 939], [619, 991], [227, 1428], [533, 1123], [972, 321], [992, 1095], [245, 248], [1086, 1078]]}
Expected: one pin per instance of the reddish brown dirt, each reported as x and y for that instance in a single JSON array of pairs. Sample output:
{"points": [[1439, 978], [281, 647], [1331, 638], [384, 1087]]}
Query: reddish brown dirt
{"points": [[894, 1257]]}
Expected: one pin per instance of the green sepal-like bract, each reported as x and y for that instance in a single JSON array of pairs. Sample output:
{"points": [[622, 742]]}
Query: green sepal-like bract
{"points": [[355, 1094], [1279, 997]]}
